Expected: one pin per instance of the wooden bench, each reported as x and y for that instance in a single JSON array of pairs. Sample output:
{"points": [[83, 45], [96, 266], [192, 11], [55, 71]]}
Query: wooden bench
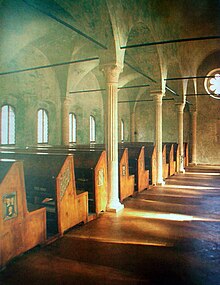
{"points": [[137, 165], [126, 181], [50, 182], [20, 230], [170, 158], [176, 155], [90, 171], [186, 154], [150, 160], [91, 175], [165, 164]]}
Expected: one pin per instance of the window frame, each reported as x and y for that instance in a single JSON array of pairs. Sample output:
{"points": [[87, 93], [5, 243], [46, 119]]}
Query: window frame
{"points": [[44, 115], [122, 129], [11, 125], [72, 128], [92, 129], [207, 83]]}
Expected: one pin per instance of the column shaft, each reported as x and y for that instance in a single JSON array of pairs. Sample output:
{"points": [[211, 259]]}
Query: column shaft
{"points": [[133, 127], [193, 137], [65, 125], [112, 74], [158, 135], [180, 137]]}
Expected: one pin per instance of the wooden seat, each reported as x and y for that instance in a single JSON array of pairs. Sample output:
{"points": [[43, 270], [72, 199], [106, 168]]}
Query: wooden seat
{"points": [[150, 161], [90, 170], [50, 182], [126, 181], [165, 164], [186, 154], [176, 156], [20, 230], [136, 160], [170, 158], [91, 175], [149, 158]]}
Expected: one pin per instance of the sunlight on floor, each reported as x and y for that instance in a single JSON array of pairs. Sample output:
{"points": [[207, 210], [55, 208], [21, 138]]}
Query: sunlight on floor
{"points": [[204, 173], [188, 187], [121, 241], [167, 216]]}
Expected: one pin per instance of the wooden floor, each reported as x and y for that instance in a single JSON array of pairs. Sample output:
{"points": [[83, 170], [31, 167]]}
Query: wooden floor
{"points": [[165, 235]]}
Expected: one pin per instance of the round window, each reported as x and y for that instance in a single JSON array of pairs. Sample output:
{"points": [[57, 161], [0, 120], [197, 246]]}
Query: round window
{"points": [[212, 83]]}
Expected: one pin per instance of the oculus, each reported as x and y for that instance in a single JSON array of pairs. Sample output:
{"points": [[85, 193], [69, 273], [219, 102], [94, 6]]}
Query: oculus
{"points": [[212, 83]]}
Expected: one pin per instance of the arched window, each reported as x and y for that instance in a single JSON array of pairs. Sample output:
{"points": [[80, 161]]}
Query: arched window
{"points": [[122, 130], [42, 126], [92, 129], [72, 128], [7, 125]]}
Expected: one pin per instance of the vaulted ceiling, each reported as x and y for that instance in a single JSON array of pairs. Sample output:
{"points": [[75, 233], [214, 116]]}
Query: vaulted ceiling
{"points": [[43, 32]]}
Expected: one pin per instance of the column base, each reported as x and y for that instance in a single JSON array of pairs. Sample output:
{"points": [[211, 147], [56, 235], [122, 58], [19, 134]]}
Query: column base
{"points": [[182, 171], [115, 207], [161, 183], [192, 164]]}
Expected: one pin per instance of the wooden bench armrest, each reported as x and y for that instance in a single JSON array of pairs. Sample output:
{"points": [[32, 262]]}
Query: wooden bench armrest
{"points": [[81, 193], [131, 177], [131, 180], [36, 212]]}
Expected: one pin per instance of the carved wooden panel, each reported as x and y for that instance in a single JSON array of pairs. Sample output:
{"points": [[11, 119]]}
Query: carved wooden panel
{"points": [[143, 174], [126, 181], [20, 230], [69, 213], [101, 183]]}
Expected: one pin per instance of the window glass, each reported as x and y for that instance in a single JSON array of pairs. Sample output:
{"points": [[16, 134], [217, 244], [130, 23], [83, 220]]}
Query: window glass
{"points": [[42, 126], [92, 129], [122, 130], [7, 125], [72, 128], [212, 83]]}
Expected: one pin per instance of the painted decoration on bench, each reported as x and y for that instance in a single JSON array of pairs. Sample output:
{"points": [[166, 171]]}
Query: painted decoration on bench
{"points": [[123, 170], [101, 177], [64, 182], [9, 206]]}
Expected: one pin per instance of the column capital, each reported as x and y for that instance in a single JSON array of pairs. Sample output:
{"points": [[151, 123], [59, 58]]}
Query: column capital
{"points": [[67, 101], [180, 106], [112, 72], [192, 109], [193, 112], [157, 95]]}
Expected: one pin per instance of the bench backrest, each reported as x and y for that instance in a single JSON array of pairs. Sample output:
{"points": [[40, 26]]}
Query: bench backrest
{"points": [[19, 229], [49, 176]]}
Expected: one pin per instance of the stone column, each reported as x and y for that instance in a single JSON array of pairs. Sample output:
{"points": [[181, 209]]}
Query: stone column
{"points": [[193, 135], [112, 73], [180, 107], [65, 125], [132, 135], [157, 96]]}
